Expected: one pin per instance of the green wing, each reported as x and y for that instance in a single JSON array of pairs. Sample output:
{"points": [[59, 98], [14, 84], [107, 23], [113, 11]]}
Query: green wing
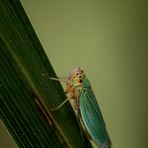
{"points": [[92, 118]]}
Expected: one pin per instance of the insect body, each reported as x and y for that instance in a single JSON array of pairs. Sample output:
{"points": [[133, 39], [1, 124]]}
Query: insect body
{"points": [[85, 103]]}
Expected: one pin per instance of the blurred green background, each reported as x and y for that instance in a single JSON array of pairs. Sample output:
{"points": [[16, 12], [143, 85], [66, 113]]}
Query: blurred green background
{"points": [[109, 39]]}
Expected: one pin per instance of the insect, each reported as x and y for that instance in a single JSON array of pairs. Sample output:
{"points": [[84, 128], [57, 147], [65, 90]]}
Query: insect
{"points": [[88, 111]]}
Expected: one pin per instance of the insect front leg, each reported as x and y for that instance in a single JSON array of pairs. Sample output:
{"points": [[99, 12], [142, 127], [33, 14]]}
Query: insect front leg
{"points": [[60, 79]]}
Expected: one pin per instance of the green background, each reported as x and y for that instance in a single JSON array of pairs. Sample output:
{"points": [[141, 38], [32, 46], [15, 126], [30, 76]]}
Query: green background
{"points": [[109, 39]]}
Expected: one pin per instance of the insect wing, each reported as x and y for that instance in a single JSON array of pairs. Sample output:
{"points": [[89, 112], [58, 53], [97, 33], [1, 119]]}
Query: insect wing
{"points": [[92, 117]]}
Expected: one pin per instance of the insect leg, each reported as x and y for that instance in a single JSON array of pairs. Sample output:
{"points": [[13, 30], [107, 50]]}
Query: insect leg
{"points": [[61, 79], [59, 106]]}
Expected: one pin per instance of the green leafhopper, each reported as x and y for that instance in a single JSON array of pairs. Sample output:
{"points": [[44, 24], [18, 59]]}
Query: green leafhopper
{"points": [[79, 89]]}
